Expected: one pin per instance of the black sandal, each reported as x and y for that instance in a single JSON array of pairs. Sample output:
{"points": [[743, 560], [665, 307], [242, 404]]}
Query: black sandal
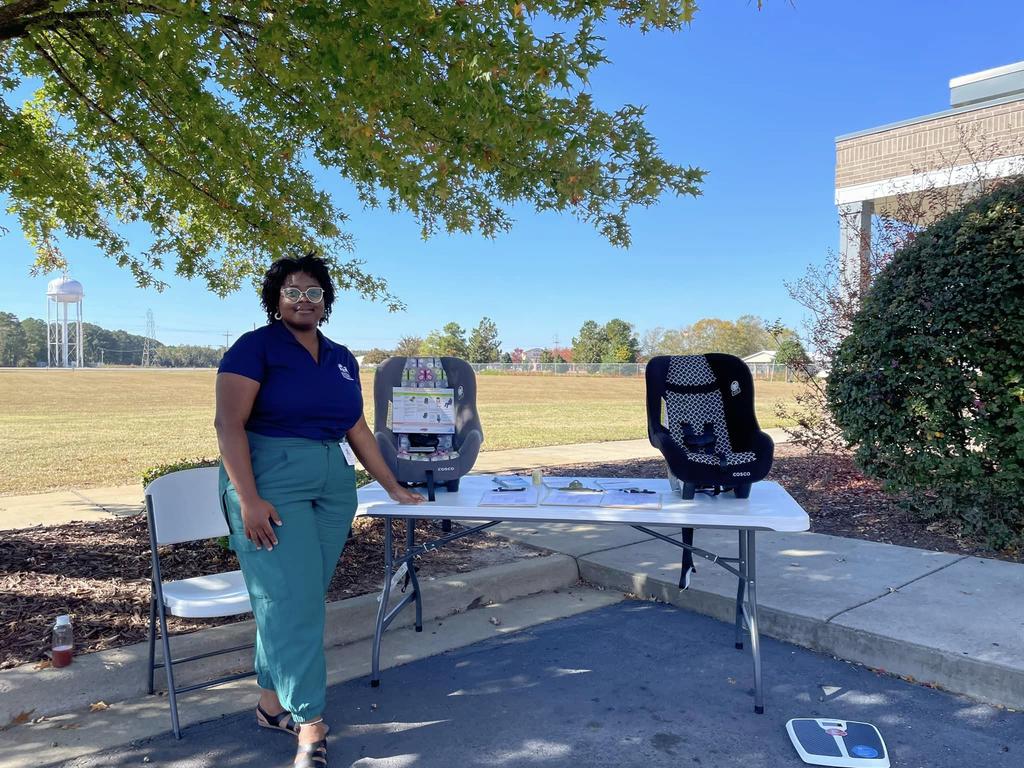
{"points": [[282, 722], [312, 755]]}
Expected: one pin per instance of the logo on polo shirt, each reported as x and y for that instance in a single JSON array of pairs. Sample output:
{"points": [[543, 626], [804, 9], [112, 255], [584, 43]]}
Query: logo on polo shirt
{"points": [[344, 372]]}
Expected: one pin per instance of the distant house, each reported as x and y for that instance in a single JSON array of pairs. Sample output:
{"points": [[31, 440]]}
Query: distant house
{"points": [[532, 355], [764, 356], [762, 365]]}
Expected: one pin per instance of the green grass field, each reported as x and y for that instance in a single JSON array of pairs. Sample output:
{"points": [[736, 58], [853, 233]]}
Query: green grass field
{"points": [[100, 427]]}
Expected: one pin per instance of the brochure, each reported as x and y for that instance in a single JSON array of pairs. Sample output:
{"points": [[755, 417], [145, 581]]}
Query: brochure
{"points": [[429, 410]]}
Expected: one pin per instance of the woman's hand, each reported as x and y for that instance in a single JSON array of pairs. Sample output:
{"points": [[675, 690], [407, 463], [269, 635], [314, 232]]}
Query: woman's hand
{"points": [[257, 517], [404, 496]]}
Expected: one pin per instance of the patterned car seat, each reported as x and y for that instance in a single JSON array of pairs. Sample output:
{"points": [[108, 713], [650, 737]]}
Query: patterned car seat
{"points": [[709, 436], [711, 439], [428, 459]]}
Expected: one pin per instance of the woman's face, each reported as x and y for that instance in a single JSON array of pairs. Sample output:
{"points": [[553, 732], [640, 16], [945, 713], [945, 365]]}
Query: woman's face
{"points": [[303, 314]]}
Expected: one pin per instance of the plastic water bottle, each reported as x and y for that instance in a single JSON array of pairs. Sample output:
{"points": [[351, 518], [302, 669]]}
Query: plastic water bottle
{"points": [[63, 642]]}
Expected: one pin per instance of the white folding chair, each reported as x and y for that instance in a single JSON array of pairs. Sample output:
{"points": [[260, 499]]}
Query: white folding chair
{"points": [[185, 506]]}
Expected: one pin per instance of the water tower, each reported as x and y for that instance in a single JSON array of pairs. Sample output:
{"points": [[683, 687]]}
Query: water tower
{"points": [[64, 332]]}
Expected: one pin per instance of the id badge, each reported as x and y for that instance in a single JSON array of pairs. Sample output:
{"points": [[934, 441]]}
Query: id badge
{"points": [[350, 455]]}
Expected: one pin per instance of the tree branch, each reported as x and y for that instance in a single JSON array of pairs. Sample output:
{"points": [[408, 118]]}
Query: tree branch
{"points": [[74, 87]]}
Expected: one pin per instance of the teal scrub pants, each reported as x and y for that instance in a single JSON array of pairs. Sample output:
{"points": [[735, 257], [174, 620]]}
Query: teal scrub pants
{"points": [[313, 489]]}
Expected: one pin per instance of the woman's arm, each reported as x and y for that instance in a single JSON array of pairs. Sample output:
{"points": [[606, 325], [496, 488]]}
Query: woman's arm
{"points": [[235, 396], [365, 446]]}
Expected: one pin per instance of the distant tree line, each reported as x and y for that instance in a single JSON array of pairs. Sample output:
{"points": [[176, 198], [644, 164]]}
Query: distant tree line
{"points": [[482, 346], [23, 344], [615, 341], [744, 336]]}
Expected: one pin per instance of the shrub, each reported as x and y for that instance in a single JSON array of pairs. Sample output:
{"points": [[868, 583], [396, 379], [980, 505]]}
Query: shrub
{"points": [[376, 356], [151, 474], [160, 470], [929, 385]]}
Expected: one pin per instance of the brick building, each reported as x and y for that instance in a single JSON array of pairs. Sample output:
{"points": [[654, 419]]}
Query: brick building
{"points": [[981, 137]]}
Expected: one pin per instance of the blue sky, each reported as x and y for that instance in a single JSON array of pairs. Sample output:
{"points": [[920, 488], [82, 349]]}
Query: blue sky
{"points": [[755, 98]]}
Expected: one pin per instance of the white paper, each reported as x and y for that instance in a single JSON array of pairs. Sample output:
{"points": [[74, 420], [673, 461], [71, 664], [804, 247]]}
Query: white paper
{"points": [[427, 410], [350, 455], [619, 499], [572, 499], [623, 499], [511, 481], [524, 498]]}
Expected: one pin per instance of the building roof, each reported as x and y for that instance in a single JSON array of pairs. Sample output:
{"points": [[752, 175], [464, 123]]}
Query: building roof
{"points": [[966, 94], [764, 356]]}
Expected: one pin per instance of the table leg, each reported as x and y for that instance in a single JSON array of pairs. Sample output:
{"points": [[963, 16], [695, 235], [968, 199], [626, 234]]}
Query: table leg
{"points": [[410, 542], [382, 609], [741, 583], [755, 638]]}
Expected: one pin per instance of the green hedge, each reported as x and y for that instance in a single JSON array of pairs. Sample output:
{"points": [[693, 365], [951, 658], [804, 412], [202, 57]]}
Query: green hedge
{"points": [[160, 470], [929, 385], [151, 474]]}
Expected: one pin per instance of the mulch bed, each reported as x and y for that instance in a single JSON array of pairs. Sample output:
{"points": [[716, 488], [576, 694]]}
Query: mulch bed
{"points": [[99, 571]]}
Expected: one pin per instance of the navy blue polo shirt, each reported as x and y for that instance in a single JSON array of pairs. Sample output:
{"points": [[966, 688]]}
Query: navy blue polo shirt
{"points": [[298, 396]]}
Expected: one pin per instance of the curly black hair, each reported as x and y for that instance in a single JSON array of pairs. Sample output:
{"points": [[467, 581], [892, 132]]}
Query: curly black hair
{"points": [[312, 265]]}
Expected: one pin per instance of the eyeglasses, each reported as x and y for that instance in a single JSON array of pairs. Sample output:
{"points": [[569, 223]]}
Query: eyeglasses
{"points": [[313, 295]]}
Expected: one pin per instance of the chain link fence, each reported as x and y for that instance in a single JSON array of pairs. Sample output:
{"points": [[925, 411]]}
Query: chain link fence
{"points": [[563, 369], [763, 371]]}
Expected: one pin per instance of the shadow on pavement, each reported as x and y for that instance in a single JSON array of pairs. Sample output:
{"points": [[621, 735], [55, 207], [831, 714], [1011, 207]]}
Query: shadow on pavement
{"points": [[635, 684]]}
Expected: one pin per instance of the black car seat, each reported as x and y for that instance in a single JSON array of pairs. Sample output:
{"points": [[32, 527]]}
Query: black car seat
{"points": [[700, 415]]}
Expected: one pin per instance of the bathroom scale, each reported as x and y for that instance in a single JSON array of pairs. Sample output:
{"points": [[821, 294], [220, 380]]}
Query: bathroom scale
{"points": [[823, 741]]}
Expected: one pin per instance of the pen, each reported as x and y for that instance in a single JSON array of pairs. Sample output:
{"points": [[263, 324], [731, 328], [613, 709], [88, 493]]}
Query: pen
{"points": [[509, 490], [637, 490]]}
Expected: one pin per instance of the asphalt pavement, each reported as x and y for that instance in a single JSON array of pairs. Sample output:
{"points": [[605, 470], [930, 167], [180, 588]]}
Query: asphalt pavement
{"points": [[635, 684]]}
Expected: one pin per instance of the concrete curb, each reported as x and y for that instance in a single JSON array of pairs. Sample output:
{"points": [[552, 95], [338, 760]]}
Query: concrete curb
{"points": [[120, 673]]}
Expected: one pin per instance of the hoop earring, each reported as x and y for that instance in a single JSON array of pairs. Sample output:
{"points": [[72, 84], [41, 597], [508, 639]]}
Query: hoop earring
{"points": [[277, 315]]}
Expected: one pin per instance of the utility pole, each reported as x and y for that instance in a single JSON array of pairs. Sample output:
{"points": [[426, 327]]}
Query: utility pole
{"points": [[149, 345], [227, 339]]}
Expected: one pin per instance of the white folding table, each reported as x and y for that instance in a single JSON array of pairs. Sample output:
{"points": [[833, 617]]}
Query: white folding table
{"points": [[769, 508]]}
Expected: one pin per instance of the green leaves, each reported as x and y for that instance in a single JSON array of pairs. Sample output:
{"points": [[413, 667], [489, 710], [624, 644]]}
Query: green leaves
{"points": [[927, 386], [202, 121]]}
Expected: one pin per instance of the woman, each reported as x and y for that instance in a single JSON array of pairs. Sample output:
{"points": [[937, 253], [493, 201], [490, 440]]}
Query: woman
{"points": [[287, 396]]}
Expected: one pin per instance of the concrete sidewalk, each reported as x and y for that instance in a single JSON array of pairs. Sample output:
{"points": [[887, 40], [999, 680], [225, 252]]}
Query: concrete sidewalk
{"points": [[944, 620]]}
